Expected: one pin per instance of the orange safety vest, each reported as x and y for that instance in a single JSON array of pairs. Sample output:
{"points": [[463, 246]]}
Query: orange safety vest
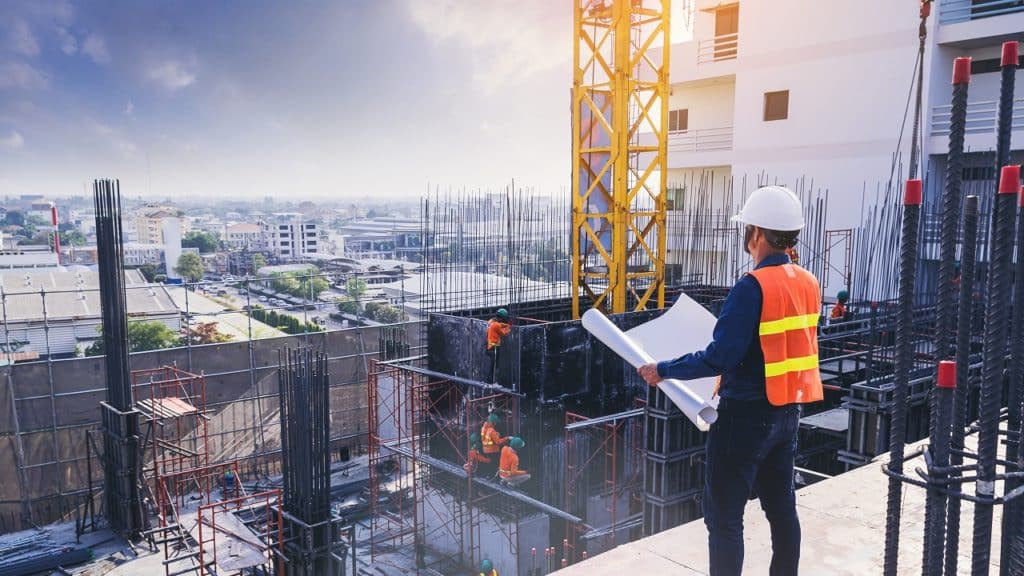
{"points": [[495, 331], [491, 573], [475, 456], [508, 466], [490, 438], [790, 306], [838, 311]]}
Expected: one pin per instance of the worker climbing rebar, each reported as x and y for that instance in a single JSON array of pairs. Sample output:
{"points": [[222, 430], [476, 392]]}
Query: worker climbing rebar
{"points": [[765, 349], [508, 469], [497, 328]]}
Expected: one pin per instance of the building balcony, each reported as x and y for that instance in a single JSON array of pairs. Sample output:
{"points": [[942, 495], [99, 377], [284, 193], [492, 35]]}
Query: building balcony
{"points": [[955, 11], [704, 59], [982, 117], [982, 122], [700, 147]]}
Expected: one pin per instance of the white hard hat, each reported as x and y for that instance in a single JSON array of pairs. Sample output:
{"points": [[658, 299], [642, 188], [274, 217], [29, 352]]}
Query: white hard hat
{"points": [[772, 208]]}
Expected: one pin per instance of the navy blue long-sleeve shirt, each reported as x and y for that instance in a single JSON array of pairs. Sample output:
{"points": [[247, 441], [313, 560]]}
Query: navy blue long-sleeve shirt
{"points": [[735, 350]]}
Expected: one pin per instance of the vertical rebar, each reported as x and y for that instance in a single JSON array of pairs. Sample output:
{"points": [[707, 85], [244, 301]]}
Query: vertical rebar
{"points": [[965, 316], [994, 356], [1015, 525], [1008, 64], [904, 357], [945, 390]]}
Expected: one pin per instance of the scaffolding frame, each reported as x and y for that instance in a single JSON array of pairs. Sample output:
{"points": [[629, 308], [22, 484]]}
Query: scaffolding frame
{"points": [[601, 450], [265, 509], [417, 421]]}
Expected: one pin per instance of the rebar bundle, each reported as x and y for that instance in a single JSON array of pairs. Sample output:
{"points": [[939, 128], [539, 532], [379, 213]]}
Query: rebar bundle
{"points": [[305, 442], [897, 435], [965, 315], [122, 466], [996, 312]]}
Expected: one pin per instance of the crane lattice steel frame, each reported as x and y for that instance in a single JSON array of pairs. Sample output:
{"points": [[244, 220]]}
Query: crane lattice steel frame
{"points": [[619, 126]]}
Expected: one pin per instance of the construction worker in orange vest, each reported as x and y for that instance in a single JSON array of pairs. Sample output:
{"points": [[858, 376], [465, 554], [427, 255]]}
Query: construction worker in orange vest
{"points": [[475, 455], [838, 313], [487, 568], [765, 349], [497, 328], [492, 441], [508, 468]]}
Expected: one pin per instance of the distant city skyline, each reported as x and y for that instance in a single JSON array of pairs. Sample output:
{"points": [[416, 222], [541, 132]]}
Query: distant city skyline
{"points": [[292, 100]]}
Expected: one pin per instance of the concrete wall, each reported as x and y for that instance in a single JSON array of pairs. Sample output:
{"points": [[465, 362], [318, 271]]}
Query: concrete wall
{"points": [[43, 439]]}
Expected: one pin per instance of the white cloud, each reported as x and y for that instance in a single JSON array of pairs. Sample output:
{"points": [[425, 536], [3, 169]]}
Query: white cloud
{"points": [[21, 40], [509, 42], [172, 75], [22, 76], [12, 142], [96, 48], [68, 43]]}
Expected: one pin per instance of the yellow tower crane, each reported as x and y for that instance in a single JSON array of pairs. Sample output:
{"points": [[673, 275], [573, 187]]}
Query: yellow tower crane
{"points": [[619, 124]]}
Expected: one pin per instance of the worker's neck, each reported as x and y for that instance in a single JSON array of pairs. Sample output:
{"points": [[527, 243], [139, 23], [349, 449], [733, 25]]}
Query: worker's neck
{"points": [[759, 256]]}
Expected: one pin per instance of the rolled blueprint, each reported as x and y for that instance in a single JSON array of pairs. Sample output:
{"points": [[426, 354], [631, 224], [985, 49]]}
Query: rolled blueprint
{"points": [[702, 414]]}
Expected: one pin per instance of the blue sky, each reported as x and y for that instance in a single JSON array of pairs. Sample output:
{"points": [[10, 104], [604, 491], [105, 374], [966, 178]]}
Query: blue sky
{"points": [[292, 98]]}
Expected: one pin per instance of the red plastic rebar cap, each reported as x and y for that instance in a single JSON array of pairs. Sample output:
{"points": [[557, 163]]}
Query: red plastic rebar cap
{"points": [[926, 9], [1010, 54], [913, 193], [1020, 197], [962, 70], [1009, 179], [947, 374]]}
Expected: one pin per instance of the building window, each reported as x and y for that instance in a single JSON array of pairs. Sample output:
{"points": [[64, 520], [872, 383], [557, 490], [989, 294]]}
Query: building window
{"points": [[776, 105], [678, 120], [727, 27]]}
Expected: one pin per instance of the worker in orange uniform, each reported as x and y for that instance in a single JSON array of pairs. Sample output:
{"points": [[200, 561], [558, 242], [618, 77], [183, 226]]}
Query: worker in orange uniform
{"points": [[765, 348], [492, 441], [508, 468], [475, 454], [487, 568], [838, 313], [497, 328]]}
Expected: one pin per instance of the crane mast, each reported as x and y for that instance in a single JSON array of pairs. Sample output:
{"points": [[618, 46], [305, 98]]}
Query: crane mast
{"points": [[619, 148]]}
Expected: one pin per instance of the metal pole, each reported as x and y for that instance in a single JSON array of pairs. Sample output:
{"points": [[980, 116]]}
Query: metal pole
{"points": [[912, 199], [994, 356], [945, 389], [1015, 526], [965, 317]]}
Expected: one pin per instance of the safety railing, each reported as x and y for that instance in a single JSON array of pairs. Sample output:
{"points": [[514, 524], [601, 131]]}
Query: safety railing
{"points": [[724, 47], [703, 140], [981, 117], [953, 11]]}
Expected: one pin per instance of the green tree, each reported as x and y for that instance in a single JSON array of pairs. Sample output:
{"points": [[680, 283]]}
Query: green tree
{"points": [[258, 261], [142, 336], [190, 267], [72, 238], [347, 306], [204, 241], [14, 218], [356, 288], [284, 282], [207, 333], [148, 272], [389, 315], [312, 287]]}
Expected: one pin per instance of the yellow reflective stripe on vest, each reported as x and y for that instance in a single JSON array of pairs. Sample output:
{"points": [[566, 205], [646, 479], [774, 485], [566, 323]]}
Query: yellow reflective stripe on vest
{"points": [[791, 365], [787, 324]]}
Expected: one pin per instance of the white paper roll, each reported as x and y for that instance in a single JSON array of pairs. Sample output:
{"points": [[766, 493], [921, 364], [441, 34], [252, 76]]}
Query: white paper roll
{"points": [[702, 414]]}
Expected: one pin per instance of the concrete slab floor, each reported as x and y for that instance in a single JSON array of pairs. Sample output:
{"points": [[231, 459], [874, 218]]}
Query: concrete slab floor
{"points": [[843, 532]]}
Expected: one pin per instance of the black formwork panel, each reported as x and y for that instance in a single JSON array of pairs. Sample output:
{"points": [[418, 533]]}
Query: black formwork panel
{"points": [[670, 433], [661, 515], [870, 412], [668, 478]]}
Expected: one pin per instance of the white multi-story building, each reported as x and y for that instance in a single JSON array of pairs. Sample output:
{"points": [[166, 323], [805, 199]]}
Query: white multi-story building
{"points": [[242, 235], [781, 90], [148, 223], [290, 240]]}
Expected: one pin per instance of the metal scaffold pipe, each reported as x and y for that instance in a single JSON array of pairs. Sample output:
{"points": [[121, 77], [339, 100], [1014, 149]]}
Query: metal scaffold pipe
{"points": [[904, 357], [994, 355]]}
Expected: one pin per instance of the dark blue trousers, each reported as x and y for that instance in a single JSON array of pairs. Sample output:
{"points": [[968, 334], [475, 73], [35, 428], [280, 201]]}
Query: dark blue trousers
{"points": [[750, 451]]}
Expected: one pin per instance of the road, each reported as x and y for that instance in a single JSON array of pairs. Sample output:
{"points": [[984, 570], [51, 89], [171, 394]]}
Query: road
{"points": [[241, 300]]}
